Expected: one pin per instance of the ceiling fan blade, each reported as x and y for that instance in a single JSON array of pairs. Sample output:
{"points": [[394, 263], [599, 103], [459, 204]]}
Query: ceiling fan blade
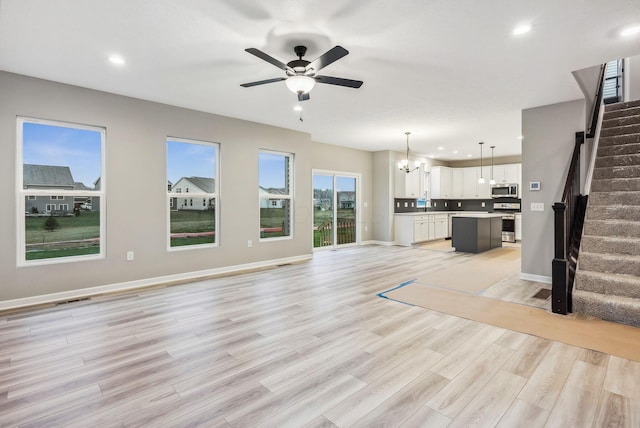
{"points": [[327, 58], [303, 96], [339, 81], [262, 82], [269, 59]]}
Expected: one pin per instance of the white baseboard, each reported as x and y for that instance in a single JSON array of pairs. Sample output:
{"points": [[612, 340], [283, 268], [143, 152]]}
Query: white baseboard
{"points": [[142, 283], [372, 242], [536, 278]]}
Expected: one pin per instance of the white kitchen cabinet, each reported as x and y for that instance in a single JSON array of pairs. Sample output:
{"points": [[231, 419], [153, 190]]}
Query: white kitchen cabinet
{"points": [[507, 174], [456, 183], [407, 185], [512, 173], [421, 229], [518, 227], [469, 182], [441, 184], [441, 226], [410, 229], [483, 190]]}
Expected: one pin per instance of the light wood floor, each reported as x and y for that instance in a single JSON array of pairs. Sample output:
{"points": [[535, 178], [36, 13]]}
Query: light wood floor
{"points": [[304, 345]]}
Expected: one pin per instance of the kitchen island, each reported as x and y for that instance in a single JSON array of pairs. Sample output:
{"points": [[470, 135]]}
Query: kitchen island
{"points": [[475, 233]]}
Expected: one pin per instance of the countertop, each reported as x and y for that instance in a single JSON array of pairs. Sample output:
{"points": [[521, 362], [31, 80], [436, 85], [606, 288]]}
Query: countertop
{"points": [[413, 214], [478, 215]]}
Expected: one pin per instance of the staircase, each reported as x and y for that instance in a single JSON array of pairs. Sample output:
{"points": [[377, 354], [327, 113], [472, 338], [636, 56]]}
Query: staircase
{"points": [[607, 282]]}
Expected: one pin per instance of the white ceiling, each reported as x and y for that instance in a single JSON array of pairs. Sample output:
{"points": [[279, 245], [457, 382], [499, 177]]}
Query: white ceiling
{"points": [[449, 71]]}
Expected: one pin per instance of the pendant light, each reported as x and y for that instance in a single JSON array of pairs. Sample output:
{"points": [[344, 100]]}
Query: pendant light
{"points": [[403, 165], [481, 179], [492, 181]]}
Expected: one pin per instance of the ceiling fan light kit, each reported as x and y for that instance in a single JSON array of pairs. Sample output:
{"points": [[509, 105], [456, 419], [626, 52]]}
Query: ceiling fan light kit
{"points": [[301, 74]]}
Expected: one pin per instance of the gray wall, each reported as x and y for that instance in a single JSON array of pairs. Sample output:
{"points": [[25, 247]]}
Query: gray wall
{"points": [[383, 184], [549, 135], [136, 185], [632, 83]]}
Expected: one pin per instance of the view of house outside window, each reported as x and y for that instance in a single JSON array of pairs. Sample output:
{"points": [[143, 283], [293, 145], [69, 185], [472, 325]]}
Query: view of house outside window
{"points": [[192, 167], [60, 196], [275, 191]]}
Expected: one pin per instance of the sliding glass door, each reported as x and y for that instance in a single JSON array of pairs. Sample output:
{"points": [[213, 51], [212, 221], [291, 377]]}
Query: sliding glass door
{"points": [[334, 209]]}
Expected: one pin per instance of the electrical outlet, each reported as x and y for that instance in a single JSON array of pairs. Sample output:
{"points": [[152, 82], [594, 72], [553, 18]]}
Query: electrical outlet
{"points": [[537, 206], [129, 255], [459, 204], [249, 243], [365, 204], [483, 205], [366, 228]]}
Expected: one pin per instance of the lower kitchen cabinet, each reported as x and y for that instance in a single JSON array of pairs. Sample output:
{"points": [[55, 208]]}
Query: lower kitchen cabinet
{"points": [[518, 227], [410, 229]]}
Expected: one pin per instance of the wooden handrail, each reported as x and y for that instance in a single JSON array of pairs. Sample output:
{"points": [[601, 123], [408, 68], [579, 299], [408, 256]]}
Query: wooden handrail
{"points": [[596, 103]]}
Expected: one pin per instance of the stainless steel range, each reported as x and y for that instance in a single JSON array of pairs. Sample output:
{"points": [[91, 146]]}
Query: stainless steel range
{"points": [[508, 210]]}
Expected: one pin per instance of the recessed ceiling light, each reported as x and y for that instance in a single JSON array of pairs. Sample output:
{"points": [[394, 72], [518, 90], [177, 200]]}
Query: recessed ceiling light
{"points": [[298, 108], [116, 59], [431, 156], [520, 137], [469, 156], [521, 29], [630, 31], [440, 148], [455, 152]]}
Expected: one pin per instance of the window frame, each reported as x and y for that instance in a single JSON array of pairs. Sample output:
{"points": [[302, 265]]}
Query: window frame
{"points": [[178, 194], [23, 194], [290, 180]]}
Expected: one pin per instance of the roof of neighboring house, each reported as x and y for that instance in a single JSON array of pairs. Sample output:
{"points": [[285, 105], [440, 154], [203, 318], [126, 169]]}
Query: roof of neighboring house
{"points": [[272, 190], [80, 186], [347, 195], [47, 175], [207, 185]]}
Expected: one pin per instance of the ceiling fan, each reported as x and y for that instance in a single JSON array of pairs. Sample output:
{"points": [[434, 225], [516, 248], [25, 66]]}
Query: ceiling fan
{"points": [[301, 74]]}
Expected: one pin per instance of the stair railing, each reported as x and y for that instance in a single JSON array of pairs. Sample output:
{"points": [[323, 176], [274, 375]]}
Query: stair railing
{"points": [[569, 214]]}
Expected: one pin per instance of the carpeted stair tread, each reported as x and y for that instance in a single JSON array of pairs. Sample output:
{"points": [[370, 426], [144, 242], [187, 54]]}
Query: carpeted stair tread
{"points": [[620, 130], [614, 212], [629, 171], [612, 227], [629, 184], [618, 139], [620, 160], [614, 198], [609, 263], [610, 244], [618, 309], [603, 283], [620, 149], [621, 106], [620, 121], [630, 111]]}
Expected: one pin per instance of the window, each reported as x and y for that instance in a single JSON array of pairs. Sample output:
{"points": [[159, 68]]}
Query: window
{"points": [[275, 189], [60, 162], [192, 165]]}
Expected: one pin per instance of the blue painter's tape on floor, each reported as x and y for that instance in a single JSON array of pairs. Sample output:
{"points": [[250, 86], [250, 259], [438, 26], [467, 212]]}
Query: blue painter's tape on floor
{"points": [[382, 294]]}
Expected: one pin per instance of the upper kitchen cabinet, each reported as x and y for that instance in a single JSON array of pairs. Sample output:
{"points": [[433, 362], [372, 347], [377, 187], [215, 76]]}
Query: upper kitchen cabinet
{"points": [[407, 185], [471, 189], [441, 182], [457, 182], [507, 173]]}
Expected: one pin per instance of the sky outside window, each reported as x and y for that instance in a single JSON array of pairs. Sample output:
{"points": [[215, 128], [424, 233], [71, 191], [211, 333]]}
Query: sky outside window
{"points": [[79, 149]]}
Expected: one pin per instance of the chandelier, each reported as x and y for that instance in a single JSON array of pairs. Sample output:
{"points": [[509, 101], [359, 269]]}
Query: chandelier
{"points": [[403, 165]]}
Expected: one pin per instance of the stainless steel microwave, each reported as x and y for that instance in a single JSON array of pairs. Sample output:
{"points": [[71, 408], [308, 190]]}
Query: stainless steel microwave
{"points": [[504, 191]]}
